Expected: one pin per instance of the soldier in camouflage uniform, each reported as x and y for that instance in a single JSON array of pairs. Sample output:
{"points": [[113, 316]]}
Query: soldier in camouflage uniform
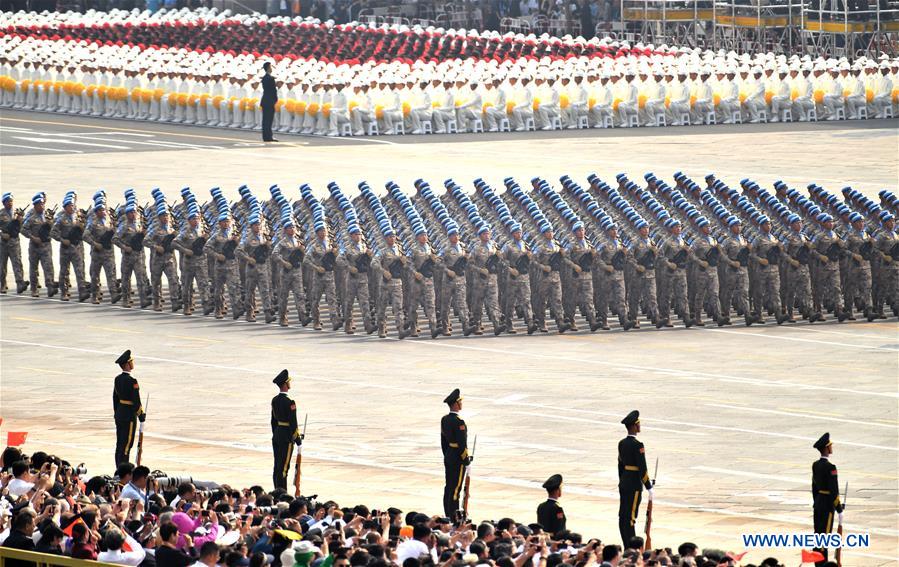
{"points": [[36, 229], [613, 258], [705, 253], [736, 268], [423, 264], [548, 257], [159, 241], [484, 264], [321, 259], [190, 243], [289, 252], [798, 291], [829, 249], [126, 238], [391, 263], [887, 245], [254, 250], [356, 260], [673, 255], [225, 271], [454, 293], [580, 257], [766, 253], [98, 235], [10, 228], [517, 258], [860, 248], [642, 286], [71, 253]]}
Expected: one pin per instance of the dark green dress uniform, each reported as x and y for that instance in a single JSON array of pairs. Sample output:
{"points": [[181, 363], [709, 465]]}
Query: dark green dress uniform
{"points": [[825, 492], [549, 514], [454, 444], [127, 410], [632, 478], [285, 432]]}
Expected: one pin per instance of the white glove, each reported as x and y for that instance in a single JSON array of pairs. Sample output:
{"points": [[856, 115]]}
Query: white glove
{"points": [[649, 494], [839, 518], [140, 427]]}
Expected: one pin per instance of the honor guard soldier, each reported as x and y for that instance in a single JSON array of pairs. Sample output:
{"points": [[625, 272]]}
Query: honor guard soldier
{"points": [[549, 514], [285, 430], [454, 443], [632, 477], [825, 491], [127, 407]]}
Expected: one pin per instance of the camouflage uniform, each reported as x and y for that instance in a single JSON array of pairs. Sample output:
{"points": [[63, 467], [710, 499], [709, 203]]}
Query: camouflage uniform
{"points": [[36, 227], [225, 274], [736, 281], [580, 257], [10, 248], [860, 247], [132, 261], [673, 280], [71, 255], [391, 261], [424, 263], [162, 262], [799, 283], [357, 263], [705, 250], [291, 278], [98, 236], [888, 272], [642, 286], [829, 248], [194, 267], [484, 264], [258, 274], [766, 251], [454, 291], [549, 261], [613, 258], [518, 292], [323, 281]]}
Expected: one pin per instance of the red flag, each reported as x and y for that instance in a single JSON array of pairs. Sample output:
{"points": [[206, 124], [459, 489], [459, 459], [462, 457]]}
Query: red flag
{"points": [[736, 556], [68, 530], [811, 556], [16, 438], [126, 548]]}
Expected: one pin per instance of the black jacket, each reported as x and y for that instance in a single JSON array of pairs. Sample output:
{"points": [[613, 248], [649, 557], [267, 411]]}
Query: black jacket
{"points": [[551, 516], [269, 92], [18, 540]]}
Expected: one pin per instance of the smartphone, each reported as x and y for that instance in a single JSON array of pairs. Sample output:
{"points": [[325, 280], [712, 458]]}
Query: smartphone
{"points": [[205, 513]]}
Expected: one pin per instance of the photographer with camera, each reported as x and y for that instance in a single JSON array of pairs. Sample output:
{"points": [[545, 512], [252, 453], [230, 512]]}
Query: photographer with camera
{"points": [[139, 486]]}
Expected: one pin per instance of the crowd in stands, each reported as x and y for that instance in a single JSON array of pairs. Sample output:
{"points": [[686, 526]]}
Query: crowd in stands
{"points": [[138, 518]]}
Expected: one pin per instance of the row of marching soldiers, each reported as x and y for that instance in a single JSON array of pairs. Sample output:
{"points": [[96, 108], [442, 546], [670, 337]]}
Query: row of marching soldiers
{"points": [[657, 250]]}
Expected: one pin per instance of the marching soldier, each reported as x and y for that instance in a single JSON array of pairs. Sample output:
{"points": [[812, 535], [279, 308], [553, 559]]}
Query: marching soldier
{"points": [[642, 288], [828, 250], [321, 258], [10, 227], [580, 256], [517, 257], [888, 273], [485, 266], [548, 256], [860, 248], [613, 259], [254, 250], [69, 231], [766, 251], [36, 229], [285, 429], [127, 408], [159, 241], [454, 295], [392, 264], [799, 284], [673, 281], [222, 247], [454, 444], [424, 262], [129, 238], [825, 491], [190, 242], [632, 477], [98, 235], [706, 253], [357, 261], [736, 264], [549, 514], [290, 252]]}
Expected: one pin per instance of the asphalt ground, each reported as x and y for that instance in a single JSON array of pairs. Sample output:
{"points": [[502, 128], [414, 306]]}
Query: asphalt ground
{"points": [[730, 413]]}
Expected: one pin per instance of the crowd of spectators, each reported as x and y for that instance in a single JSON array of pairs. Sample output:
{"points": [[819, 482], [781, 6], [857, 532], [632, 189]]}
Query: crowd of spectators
{"points": [[143, 518]]}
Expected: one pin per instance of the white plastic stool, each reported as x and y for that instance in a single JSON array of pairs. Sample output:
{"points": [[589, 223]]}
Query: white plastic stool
{"points": [[840, 113], [529, 125], [683, 119], [736, 117], [633, 121], [786, 115], [426, 127], [556, 123], [811, 115], [346, 129], [710, 117], [661, 119], [399, 129], [888, 111], [583, 122], [505, 125], [477, 126], [373, 128], [608, 121], [862, 112], [763, 116], [451, 127]]}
